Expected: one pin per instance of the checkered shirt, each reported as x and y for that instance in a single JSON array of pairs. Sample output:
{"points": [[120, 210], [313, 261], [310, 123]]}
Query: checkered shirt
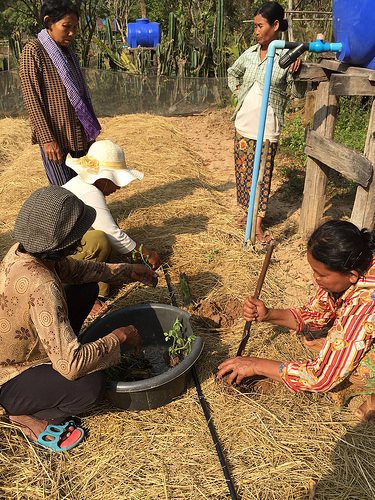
{"points": [[249, 69], [52, 116]]}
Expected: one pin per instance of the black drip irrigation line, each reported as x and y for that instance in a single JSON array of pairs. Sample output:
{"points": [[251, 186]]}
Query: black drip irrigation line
{"points": [[204, 406]]}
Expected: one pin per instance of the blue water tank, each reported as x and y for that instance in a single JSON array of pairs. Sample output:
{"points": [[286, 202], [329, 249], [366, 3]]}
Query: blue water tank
{"points": [[353, 26], [143, 33]]}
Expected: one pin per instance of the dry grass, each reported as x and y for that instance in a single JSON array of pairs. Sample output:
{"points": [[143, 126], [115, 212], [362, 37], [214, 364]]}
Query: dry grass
{"points": [[277, 446]]}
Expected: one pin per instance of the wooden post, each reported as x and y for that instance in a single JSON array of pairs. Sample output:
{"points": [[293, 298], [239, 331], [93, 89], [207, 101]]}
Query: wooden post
{"points": [[316, 172], [290, 21], [363, 213], [143, 8]]}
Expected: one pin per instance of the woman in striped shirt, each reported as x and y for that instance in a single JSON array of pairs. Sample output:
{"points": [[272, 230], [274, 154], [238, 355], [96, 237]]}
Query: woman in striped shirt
{"points": [[343, 263]]}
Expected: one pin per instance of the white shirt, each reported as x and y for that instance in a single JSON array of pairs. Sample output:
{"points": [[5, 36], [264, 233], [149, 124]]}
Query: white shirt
{"points": [[248, 116], [93, 197]]}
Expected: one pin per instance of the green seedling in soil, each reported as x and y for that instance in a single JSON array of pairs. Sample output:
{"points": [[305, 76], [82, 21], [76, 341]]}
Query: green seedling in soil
{"points": [[138, 255], [129, 369], [180, 347], [211, 257]]}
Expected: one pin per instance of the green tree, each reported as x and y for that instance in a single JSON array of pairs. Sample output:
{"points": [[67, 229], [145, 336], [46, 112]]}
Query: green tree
{"points": [[90, 11], [121, 10], [23, 16]]}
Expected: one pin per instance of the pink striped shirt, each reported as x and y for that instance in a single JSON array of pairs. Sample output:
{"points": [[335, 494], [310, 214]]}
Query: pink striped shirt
{"points": [[348, 340]]}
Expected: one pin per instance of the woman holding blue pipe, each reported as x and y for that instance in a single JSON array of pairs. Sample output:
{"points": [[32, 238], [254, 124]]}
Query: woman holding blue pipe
{"points": [[246, 80]]}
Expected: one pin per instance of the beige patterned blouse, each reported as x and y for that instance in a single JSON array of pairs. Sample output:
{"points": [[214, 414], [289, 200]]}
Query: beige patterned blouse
{"points": [[34, 325]]}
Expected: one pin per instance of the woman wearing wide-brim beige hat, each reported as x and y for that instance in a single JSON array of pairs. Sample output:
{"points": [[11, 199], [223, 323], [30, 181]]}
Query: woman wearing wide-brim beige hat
{"points": [[104, 160], [102, 172], [46, 374]]}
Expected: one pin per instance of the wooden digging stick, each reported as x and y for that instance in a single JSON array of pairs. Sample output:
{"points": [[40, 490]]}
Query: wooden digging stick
{"points": [[246, 331], [258, 190]]}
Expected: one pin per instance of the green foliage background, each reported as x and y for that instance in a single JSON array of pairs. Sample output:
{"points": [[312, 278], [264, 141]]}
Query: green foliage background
{"points": [[198, 39]]}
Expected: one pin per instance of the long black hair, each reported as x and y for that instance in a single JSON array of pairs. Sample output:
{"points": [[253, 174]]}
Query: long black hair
{"points": [[342, 247], [273, 11], [56, 10]]}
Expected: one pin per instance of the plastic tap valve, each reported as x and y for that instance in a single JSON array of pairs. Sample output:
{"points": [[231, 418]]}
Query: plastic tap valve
{"points": [[292, 55], [320, 46]]}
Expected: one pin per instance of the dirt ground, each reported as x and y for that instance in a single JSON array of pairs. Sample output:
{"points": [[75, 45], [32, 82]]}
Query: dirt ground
{"points": [[211, 136], [279, 445]]}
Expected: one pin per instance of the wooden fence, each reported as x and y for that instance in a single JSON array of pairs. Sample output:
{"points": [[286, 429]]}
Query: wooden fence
{"points": [[332, 79]]}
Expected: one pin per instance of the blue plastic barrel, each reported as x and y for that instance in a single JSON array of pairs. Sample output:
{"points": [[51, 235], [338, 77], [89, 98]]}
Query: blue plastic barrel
{"points": [[143, 33], [353, 26]]}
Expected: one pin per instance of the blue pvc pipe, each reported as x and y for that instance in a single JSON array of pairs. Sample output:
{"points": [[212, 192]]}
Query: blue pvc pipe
{"points": [[317, 46], [320, 46], [276, 44]]}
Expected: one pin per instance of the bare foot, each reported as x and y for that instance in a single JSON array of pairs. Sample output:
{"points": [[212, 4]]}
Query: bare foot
{"points": [[32, 427], [98, 307], [366, 412], [314, 344], [242, 221], [263, 238]]}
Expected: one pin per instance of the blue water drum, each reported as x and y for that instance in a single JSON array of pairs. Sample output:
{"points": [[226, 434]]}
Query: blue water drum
{"points": [[353, 26], [143, 33]]}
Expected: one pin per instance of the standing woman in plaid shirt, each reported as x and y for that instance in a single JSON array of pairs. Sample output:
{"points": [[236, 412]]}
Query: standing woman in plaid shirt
{"points": [[55, 92], [246, 80]]}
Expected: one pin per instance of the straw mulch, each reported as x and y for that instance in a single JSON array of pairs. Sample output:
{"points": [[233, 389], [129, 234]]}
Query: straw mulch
{"points": [[277, 445]]}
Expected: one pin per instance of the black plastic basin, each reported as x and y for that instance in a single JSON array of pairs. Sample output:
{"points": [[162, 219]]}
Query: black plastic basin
{"points": [[151, 320]]}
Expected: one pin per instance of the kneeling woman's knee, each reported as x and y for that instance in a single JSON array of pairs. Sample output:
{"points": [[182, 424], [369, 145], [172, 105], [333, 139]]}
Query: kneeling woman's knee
{"points": [[96, 246], [92, 389], [104, 244]]}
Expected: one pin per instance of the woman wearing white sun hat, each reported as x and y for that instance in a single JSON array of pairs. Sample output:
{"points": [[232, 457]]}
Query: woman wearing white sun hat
{"points": [[100, 173]]}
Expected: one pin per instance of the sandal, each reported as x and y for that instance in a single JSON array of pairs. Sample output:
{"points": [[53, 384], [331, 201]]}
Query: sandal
{"points": [[57, 431]]}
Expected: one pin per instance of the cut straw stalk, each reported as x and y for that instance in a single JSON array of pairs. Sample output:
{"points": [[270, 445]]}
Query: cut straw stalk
{"points": [[126, 448]]}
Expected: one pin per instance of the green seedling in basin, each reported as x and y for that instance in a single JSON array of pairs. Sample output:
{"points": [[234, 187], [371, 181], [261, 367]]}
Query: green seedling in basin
{"points": [[180, 347]]}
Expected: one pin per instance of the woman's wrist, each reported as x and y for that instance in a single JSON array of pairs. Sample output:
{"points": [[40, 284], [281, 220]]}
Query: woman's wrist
{"points": [[267, 368]]}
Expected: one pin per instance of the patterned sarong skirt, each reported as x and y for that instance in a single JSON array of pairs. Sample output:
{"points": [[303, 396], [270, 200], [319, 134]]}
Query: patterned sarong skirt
{"points": [[244, 153]]}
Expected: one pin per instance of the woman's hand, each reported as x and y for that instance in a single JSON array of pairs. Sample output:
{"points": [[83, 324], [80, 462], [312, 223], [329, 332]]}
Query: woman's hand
{"points": [[129, 335], [142, 273], [294, 67], [254, 310], [241, 367], [153, 257], [237, 369], [53, 152]]}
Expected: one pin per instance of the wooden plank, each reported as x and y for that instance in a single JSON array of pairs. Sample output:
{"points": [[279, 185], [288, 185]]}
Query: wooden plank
{"points": [[316, 172], [340, 67], [311, 72], [351, 84], [363, 213], [352, 165]]}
